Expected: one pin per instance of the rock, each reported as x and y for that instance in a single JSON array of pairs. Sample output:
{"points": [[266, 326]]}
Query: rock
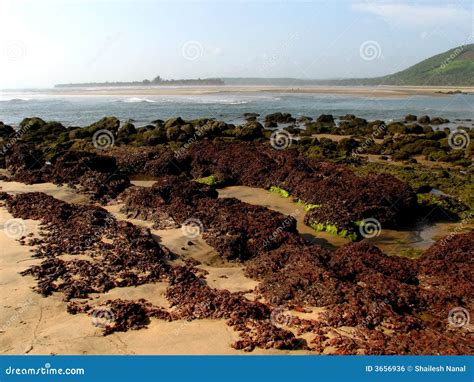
{"points": [[347, 117], [188, 129], [270, 124], [424, 120], [172, 132], [172, 122], [304, 119], [251, 116], [250, 131], [6, 131], [410, 118], [127, 129], [280, 118], [414, 128], [439, 121], [325, 118], [107, 123], [34, 123], [158, 122]]}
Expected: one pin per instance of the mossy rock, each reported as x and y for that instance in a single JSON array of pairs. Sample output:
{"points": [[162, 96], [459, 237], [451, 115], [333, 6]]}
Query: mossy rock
{"points": [[107, 123], [251, 130], [173, 122], [172, 133]]}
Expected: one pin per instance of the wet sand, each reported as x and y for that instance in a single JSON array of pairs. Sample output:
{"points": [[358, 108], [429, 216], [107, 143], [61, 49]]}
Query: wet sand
{"points": [[364, 91], [389, 241]]}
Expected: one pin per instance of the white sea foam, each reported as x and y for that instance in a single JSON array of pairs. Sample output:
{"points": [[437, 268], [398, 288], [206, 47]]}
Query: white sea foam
{"points": [[14, 99], [137, 100]]}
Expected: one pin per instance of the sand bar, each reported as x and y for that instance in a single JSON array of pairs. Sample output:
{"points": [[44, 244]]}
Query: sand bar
{"points": [[363, 91]]}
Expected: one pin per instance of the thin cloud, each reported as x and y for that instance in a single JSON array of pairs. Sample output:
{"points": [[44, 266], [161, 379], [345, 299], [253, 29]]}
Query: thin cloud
{"points": [[417, 14]]}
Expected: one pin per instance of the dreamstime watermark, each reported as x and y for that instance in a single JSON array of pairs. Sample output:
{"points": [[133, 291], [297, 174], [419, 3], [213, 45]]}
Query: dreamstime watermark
{"points": [[192, 228], [370, 228], [14, 50], [370, 50], [281, 139], [459, 139], [281, 228], [369, 141], [97, 235], [459, 317], [192, 50], [103, 139], [44, 370], [17, 136], [200, 131], [371, 316], [16, 317], [14, 228], [452, 56], [279, 318], [460, 227], [103, 317]]}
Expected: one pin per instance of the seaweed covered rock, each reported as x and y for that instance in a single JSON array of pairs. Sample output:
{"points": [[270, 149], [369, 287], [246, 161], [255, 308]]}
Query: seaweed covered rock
{"points": [[279, 118], [250, 131], [119, 253], [6, 131], [344, 198], [236, 230], [98, 175], [107, 123]]}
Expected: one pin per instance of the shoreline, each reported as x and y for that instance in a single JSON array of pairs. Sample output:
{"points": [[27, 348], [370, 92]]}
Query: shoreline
{"points": [[363, 91]]}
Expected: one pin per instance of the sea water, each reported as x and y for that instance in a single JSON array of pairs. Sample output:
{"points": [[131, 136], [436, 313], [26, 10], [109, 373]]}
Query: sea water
{"points": [[76, 110]]}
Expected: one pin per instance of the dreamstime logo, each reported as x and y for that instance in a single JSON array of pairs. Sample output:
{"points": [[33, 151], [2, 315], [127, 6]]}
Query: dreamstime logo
{"points": [[369, 141], [280, 139], [192, 228], [281, 228], [459, 228], [370, 228], [14, 50], [102, 317], [458, 139], [14, 228], [18, 134], [19, 311], [370, 50], [278, 317], [452, 56], [103, 139], [192, 50], [458, 317]]}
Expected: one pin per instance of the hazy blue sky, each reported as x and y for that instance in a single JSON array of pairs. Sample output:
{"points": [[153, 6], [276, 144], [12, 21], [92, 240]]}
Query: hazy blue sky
{"points": [[48, 42]]}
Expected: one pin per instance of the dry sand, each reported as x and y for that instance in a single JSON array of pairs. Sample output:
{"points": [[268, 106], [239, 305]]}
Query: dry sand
{"points": [[364, 91]]}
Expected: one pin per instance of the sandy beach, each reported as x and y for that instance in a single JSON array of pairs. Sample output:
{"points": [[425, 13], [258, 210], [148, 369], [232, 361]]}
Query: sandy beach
{"points": [[363, 91]]}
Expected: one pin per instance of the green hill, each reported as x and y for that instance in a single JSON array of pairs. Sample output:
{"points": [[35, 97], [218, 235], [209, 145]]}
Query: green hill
{"points": [[452, 68]]}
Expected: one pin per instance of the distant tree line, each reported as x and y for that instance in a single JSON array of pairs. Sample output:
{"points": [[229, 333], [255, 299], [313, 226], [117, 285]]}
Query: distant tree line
{"points": [[157, 81]]}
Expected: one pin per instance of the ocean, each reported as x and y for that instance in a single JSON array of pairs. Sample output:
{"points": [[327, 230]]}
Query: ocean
{"points": [[230, 107]]}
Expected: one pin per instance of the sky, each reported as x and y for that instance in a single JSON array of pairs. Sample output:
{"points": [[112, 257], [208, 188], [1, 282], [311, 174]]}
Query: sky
{"points": [[47, 42]]}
